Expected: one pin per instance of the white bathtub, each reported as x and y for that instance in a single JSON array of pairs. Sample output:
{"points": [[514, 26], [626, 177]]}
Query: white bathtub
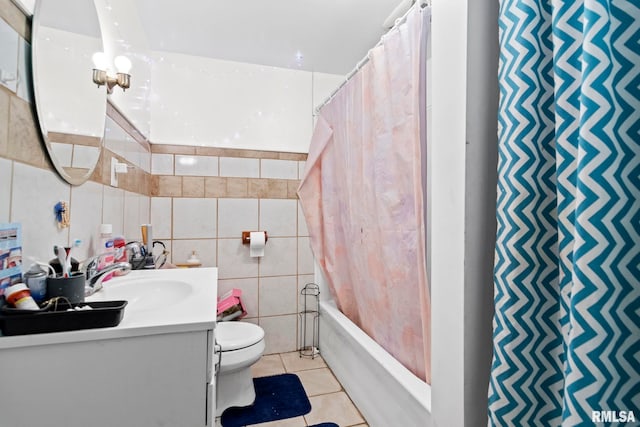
{"points": [[386, 392]]}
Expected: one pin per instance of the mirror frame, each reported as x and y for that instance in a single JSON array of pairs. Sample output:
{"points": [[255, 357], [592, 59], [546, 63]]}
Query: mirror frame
{"points": [[72, 176]]}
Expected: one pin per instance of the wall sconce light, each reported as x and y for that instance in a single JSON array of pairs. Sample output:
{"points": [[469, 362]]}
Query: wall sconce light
{"points": [[100, 76]]}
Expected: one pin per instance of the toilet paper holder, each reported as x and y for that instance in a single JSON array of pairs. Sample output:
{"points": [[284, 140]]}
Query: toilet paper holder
{"points": [[246, 237]]}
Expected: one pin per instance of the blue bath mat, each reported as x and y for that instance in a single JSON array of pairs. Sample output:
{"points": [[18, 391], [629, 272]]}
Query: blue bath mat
{"points": [[325, 425], [277, 397]]}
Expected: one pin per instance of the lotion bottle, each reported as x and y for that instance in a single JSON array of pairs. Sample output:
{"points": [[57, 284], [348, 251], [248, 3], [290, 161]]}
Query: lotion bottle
{"points": [[105, 248]]}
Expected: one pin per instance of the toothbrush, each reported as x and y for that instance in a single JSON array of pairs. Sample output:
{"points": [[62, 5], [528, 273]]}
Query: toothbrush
{"points": [[67, 261], [60, 253], [67, 266]]}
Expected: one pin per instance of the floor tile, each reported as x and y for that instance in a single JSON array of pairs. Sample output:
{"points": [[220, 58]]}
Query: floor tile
{"points": [[288, 422], [270, 364], [319, 381], [294, 363], [334, 407]]}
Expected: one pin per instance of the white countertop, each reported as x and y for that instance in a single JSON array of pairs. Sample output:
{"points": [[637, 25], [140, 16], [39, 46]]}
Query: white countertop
{"points": [[159, 302]]}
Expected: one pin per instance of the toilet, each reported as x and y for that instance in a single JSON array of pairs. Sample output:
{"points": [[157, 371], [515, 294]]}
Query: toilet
{"points": [[242, 345]]}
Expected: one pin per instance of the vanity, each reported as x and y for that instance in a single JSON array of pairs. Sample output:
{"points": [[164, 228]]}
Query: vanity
{"points": [[154, 369]]}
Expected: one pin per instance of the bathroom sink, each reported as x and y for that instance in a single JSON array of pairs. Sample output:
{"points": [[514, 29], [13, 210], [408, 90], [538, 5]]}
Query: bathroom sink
{"points": [[146, 294], [163, 297]]}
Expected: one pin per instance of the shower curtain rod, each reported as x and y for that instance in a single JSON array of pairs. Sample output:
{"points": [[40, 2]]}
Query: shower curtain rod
{"points": [[359, 65]]}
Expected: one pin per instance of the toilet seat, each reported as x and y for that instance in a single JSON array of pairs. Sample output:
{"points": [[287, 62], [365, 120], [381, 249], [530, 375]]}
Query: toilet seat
{"points": [[237, 335]]}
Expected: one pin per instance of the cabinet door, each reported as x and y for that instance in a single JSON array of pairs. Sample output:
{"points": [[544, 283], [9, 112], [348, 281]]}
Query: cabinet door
{"points": [[138, 381]]}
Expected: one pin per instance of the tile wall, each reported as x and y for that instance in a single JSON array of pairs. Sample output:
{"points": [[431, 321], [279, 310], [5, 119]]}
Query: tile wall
{"points": [[29, 185], [202, 200], [197, 199]]}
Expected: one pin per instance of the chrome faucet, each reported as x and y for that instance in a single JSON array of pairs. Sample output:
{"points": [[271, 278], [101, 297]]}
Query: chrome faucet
{"points": [[95, 276]]}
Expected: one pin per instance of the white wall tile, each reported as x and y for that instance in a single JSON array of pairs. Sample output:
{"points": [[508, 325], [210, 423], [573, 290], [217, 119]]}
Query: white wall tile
{"points": [[63, 153], [9, 58], [249, 288], [35, 193], [278, 295], [113, 209], [278, 217], [132, 214], [85, 157], [145, 204], [279, 257], [234, 260], [161, 164], [280, 169], [115, 138], [302, 222], [280, 333], [239, 167], [145, 160], [5, 189], [161, 217], [86, 199], [194, 218], [206, 251], [301, 167], [236, 216], [305, 256], [196, 165], [24, 89]]}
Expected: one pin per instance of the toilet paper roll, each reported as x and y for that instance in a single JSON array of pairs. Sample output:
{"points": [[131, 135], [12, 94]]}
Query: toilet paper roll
{"points": [[256, 244]]}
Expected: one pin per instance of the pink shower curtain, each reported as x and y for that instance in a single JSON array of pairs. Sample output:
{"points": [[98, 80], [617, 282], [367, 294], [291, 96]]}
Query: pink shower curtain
{"points": [[362, 198]]}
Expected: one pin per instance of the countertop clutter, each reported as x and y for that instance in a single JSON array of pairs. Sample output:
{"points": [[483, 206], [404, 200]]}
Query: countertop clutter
{"points": [[154, 368], [157, 301]]}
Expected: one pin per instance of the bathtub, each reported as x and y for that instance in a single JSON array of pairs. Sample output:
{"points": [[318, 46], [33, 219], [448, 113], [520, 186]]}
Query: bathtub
{"points": [[385, 392]]}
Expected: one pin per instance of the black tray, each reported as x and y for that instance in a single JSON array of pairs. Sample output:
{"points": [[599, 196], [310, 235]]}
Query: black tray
{"points": [[103, 314]]}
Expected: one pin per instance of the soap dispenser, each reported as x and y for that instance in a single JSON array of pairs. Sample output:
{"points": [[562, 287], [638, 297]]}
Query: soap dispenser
{"points": [[193, 259]]}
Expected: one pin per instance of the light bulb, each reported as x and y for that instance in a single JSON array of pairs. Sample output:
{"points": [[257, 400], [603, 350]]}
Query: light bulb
{"points": [[99, 60], [123, 64]]}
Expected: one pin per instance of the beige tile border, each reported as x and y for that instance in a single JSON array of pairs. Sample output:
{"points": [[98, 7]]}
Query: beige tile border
{"points": [[27, 147], [225, 152], [25, 142], [16, 19], [223, 187]]}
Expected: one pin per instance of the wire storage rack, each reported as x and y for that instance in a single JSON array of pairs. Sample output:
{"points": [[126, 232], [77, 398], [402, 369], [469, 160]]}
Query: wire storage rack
{"points": [[310, 321]]}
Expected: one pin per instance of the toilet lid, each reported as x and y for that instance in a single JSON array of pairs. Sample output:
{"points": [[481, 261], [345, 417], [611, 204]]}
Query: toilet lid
{"points": [[237, 335]]}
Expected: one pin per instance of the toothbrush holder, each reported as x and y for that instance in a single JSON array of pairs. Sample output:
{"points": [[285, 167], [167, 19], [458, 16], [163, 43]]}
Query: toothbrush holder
{"points": [[71, 287]]}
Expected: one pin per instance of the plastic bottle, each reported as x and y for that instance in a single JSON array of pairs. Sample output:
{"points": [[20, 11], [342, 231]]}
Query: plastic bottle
{"points": [[19, 296], [36, 281], [105, 249], [120, 253]]}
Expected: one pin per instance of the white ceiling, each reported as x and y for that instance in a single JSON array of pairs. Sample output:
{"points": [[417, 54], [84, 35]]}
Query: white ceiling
{"points": [[328, 36]]}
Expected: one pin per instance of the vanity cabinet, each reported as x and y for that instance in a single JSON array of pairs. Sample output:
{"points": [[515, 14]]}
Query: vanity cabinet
{"points": [[154, 369], [154, 380]]}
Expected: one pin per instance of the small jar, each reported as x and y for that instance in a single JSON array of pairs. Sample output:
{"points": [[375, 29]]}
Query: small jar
{"points": [[19, 296]]}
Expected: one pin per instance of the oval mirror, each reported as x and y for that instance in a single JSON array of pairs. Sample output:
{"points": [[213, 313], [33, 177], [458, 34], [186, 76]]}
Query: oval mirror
{"points": [[71, 109]]}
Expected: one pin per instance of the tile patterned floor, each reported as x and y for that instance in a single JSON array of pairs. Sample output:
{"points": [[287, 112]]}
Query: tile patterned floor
{"points": [[329, 401]]}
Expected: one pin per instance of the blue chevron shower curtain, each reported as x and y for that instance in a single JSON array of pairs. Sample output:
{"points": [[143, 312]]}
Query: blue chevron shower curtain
{"points": [[567, 266]]}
